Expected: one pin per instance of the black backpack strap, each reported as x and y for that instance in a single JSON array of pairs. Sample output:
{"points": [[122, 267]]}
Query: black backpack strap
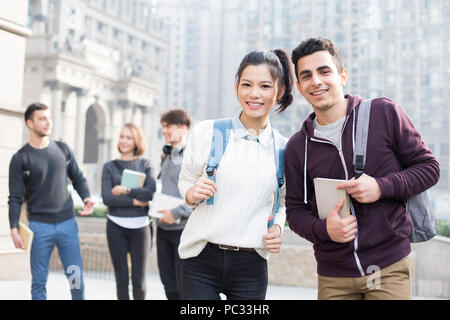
{"points": [[26, 172], [65, 149]]}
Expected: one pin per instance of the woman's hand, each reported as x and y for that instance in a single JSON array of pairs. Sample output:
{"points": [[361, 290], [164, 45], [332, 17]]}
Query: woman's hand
{"points": [[139, 203], [203, 189], [118, 190], [272, 240]]}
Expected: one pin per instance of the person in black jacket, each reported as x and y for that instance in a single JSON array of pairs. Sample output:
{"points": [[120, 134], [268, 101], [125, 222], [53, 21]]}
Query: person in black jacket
{"points": [[127, 228], [40, 170]]}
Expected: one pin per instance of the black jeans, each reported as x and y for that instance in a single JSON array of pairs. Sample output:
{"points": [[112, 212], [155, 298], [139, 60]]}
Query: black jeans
{"points": [[237, 274], [137, 243], [169, 262]]}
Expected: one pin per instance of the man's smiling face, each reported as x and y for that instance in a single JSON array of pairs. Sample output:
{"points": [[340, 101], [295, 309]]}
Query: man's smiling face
{"points": [[320, 82]]}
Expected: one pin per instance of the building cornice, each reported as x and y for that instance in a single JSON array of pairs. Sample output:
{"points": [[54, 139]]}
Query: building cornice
{"points": [[15, 28]]}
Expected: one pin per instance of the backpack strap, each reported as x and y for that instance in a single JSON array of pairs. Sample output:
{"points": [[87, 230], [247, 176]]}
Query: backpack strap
{"points": [[221, 133], [362, 130], [26, 172], [65, 149], [279, 144]]}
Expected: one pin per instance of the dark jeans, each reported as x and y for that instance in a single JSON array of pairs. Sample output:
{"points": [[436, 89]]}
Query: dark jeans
{"points": [[137, 243], [237, 274], [169, 262]]}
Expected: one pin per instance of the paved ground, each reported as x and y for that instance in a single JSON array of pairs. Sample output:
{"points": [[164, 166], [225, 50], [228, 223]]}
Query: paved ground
{"points": [[97, 289]]}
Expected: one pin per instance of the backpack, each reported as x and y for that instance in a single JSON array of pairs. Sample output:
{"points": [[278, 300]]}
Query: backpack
{"points": [[418, 207], [26, 172], [221, 133]]}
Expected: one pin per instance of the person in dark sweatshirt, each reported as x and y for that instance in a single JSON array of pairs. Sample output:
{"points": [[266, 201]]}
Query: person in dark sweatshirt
{"points": [[175, 126], [398, 165], [127, 228], [40, 169]]}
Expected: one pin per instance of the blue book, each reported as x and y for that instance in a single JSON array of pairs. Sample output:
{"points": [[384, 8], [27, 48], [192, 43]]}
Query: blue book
{"points": [[132, 179]]}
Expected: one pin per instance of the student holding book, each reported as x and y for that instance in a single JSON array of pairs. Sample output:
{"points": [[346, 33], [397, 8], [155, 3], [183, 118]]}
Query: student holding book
{"points": [[38, 174], [224, 246], [127, 227], [363, 255]]}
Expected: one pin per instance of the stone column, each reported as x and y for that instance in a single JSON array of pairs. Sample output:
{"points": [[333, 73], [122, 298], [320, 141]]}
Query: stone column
{"points": [[151, 127], [57, 93], [39, 24], [82, 97], [146, 127], [127, 110], [14, 264]]}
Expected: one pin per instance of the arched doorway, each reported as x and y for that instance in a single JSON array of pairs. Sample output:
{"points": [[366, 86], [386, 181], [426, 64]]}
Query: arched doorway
{"points": [[95, 150]]}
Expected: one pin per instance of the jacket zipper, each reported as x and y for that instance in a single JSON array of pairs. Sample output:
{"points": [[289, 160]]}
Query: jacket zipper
{"points": [[352, 210]]}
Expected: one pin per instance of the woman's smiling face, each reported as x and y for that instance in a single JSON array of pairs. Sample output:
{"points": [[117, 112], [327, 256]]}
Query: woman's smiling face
{"points": [[257, 92], [126, 141]]}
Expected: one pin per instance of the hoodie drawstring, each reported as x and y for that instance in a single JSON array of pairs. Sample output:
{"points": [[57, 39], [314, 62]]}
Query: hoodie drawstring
{"points": [[304, 171]]}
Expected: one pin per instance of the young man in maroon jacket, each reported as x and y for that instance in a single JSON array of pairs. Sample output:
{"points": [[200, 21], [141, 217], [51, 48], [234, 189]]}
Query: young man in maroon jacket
{"points": [[363, 256]]}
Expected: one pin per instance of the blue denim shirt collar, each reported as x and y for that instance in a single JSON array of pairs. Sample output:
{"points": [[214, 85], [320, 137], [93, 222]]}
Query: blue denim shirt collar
{"points": [[240, 132]]}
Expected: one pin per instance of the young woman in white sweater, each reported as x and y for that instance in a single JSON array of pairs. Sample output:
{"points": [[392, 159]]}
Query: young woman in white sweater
{"points": [[224, 247]]}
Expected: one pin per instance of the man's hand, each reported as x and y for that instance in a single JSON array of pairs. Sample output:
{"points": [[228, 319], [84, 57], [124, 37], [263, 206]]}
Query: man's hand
{"points": [[365, 189], [88, 208], [167, 216], [17, 239], [203, 189], [339, 229], [272, 240]]}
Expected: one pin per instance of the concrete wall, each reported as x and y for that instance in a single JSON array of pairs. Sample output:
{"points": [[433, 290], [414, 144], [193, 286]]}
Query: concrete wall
{"points": [[14, 264]]}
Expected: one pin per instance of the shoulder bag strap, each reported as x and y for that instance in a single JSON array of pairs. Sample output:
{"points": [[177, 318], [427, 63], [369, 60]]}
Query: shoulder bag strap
{"points": [[362, 130], [221, 133]]}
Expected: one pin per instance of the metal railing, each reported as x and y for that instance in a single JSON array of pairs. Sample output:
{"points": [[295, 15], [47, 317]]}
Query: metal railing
{"points": [[96, 262]]}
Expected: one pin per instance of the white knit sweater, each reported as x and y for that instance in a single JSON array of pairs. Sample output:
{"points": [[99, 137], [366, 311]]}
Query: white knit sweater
{"points": [[246, 189]]}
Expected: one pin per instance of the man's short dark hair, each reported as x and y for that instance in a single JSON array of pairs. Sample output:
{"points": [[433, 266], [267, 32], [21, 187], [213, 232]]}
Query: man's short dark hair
{"points": [[177, 116], [32, 108], [312, 45]]}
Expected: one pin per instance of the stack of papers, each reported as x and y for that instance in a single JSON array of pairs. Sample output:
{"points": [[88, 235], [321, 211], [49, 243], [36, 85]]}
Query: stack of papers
{"points": [[162, 201]]}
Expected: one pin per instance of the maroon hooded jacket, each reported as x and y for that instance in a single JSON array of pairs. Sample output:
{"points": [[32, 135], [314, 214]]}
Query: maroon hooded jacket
{"points": [[396, 157]]}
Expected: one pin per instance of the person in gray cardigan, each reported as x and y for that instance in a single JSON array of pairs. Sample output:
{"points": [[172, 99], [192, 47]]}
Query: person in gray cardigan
{"points": [[175, 125]]}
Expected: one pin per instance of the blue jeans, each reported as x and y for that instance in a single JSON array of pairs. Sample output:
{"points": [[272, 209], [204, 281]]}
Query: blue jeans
{"points": [[65, 236], [237, 274]]}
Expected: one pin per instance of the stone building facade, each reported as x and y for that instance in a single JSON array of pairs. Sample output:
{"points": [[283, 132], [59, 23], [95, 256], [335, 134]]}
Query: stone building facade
{"points": [[97, 65]]}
